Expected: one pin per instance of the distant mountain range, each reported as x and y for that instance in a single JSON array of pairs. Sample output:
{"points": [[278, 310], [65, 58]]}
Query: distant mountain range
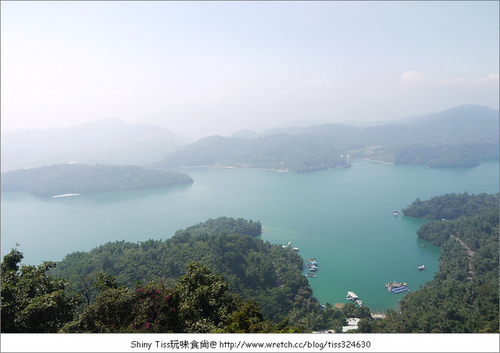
{"points": [[459, 137], [467, 133], [108, 141]]}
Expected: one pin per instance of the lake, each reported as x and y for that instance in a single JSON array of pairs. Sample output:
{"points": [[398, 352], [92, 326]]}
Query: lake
{"points": [[341, 217]]}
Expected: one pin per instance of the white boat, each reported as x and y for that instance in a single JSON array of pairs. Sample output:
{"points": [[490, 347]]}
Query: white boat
{"points": [[64, 195], [421, 267]]}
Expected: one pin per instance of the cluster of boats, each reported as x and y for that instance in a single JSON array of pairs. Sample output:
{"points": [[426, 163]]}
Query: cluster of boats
{"points": [[289, 246], [312, 264], [396, 287]]}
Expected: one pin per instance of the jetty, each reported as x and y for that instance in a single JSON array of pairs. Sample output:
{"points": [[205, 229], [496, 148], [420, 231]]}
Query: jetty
{"points": [[353, 296]]}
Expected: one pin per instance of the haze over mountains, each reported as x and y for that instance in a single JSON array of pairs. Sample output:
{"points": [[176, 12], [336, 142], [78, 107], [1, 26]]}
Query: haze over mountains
{"points": [[469, 131], [108, 141]]}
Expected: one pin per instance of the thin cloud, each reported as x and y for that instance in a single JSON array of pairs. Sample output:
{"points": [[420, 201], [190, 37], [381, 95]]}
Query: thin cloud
{"points": [[413, 77], [416, 78], [459, 82]]}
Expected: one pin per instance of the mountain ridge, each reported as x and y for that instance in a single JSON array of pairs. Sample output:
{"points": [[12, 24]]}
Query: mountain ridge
{"points": [[317, 147]]}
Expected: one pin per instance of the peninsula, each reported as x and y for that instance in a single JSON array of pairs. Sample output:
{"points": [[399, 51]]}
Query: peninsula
{"points": [[71, 179]]}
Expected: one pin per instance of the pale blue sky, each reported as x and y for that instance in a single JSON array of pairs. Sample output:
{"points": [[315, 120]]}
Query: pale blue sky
{"points": [[200, 68]]}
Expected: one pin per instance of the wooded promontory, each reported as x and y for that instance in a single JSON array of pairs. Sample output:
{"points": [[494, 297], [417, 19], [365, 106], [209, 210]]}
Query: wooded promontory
{"points": [[88, 179]]}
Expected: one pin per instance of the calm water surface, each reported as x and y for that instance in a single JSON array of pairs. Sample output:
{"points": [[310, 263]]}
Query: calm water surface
{"points": [[341, 217]]}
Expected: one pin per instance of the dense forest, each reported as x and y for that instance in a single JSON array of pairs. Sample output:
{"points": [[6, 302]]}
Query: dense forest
{"points": [[88, 179], [451, 206], [463, 297], [459, 137], [447, 156], [301, 153], [218, 282]]}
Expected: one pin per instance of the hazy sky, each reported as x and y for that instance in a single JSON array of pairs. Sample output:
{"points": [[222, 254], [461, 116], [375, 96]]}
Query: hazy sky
{"points": [[200, 68]]}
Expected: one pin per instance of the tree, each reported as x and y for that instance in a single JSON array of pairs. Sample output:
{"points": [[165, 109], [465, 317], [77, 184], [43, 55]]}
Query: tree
{"points": [[152, 309], [33, 301], [204, 300]]}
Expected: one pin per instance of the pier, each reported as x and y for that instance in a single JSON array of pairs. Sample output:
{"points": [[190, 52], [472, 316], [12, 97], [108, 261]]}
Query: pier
{"points": [[354, 296]]}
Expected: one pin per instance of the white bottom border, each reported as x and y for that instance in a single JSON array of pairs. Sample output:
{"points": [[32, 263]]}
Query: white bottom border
{"points": [[250, 342]]}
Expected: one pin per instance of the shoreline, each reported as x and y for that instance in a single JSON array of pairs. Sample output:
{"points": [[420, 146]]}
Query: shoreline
{"points": [[285, 170], [377, 161]]}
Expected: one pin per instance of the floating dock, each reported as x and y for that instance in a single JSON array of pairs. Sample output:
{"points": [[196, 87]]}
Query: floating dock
{"points": [[352, 296]]}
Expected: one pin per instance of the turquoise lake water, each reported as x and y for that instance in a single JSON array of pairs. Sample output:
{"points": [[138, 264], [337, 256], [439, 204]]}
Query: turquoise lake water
{"points": [[341, 217]]}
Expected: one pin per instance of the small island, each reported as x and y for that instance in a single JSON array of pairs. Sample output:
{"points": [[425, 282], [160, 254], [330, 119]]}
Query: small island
{"points": [[75, 179]]}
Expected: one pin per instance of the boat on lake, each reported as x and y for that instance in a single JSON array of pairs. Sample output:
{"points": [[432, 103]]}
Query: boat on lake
{"points": [[64, 195], [289, 246], [421, 267], [397, 287]]}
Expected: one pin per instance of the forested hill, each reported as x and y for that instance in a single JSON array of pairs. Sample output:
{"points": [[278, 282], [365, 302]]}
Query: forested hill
{"points": [[464, 295], [451, 206], [459, 137], [300, 153], [253, 269], [88, 179], [224, 225]]}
